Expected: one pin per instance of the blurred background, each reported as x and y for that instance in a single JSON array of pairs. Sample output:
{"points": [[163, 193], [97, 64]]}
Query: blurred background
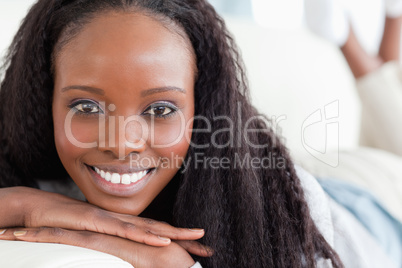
{"points": [[297, 79]]}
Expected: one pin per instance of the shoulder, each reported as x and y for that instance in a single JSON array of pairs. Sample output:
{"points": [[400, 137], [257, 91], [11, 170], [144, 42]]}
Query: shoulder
{"points": [[343, 232], [318, 203]]}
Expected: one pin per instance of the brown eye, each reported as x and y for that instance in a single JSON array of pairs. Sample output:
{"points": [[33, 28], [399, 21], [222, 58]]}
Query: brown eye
{"points": [[160, 110], [87, 108]]}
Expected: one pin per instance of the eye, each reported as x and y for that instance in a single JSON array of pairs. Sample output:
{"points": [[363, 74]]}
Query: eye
{"points": [[160, 110], [86, 107]]}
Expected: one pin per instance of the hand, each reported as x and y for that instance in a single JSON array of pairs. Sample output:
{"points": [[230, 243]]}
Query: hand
{"points": [[138, 255], [30, 207]]}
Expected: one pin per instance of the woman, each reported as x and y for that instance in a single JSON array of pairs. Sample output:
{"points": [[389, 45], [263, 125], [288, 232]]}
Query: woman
{"points": [[253, 216]]}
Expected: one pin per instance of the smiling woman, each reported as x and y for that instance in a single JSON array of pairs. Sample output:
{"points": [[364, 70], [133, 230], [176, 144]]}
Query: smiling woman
{"points": [[150, 75], [110, 93]]}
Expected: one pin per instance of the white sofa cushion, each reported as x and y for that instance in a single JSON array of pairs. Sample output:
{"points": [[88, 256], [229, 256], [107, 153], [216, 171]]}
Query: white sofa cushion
{"points": [[19, 254]]}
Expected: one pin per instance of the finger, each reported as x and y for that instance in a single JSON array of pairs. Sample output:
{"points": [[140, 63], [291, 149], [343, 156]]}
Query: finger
{"points": [[83, 216], [42, 234], [7, 234], [84, 239], [166, 230], [196, 248], [143, 230], [94, 219], [129, 230], [18, 234]]}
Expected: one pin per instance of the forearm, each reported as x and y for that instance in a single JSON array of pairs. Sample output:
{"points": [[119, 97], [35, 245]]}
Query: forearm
{"points": [[12, 206]]}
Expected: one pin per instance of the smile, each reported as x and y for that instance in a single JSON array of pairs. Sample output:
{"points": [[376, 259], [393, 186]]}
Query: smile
{"points": [[125, 178]]}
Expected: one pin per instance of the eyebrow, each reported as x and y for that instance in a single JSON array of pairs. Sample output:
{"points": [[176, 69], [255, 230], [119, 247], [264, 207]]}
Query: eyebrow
{"points": [[84, 88], [160, 90], [143, 94]]}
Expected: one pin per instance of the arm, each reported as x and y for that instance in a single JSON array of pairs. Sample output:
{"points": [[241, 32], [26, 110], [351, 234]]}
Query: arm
{"points": [[81, 224], [28, 207], [12, 208]]}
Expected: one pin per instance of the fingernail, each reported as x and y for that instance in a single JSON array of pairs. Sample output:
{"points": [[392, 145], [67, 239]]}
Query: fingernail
{"points": [[164, 238], [20, 233], [196, 230], [209, 250], [3, 231]]}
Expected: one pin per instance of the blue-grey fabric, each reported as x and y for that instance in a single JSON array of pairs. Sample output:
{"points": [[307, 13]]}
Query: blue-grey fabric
{"points": [[369, 211]]}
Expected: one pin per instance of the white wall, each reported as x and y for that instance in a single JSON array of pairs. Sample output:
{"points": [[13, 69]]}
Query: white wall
{"points": [[11, 14], [294, 74]]}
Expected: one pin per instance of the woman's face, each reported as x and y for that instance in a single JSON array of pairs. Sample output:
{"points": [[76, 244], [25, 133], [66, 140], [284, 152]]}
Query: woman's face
{"points": [[123, 100]]}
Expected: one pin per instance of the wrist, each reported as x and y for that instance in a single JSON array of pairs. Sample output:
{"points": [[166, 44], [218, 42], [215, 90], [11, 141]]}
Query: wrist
{"points": [[13, 210]]}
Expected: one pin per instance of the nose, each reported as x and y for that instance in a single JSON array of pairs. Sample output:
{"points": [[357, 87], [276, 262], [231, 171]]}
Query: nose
{"points": [[124, 137]]}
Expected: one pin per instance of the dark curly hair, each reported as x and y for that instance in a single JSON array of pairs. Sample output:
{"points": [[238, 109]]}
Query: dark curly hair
{"points": [[254, 217]]}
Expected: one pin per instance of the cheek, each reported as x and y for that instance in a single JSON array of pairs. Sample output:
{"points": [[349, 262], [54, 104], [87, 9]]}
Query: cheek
{"points": [[174, 154], [175, 133], [73, 137], [172, 139], [82, 133]]}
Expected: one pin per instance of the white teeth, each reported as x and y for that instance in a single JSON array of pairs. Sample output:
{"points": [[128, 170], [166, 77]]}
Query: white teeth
{"points": [[125, 179], [134, 177], [108, 176], [117, 178]]}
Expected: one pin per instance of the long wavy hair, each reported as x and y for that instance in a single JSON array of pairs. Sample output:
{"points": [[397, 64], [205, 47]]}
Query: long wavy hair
{"points": [[254, 217]]}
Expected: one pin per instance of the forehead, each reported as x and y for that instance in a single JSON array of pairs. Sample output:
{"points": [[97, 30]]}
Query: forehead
{"points": [[119, 39]]}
